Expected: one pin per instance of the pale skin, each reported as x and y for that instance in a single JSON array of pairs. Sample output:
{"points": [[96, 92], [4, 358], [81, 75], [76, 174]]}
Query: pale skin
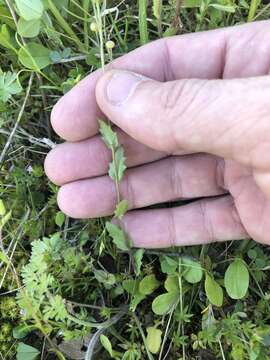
{"points": [[197, 125]]}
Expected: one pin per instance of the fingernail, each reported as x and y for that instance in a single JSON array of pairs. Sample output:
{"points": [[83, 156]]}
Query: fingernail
{"points": [[121, 86]]}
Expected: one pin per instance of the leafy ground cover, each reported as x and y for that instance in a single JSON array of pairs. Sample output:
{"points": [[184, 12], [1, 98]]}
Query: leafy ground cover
{"points": [[74, 289]]}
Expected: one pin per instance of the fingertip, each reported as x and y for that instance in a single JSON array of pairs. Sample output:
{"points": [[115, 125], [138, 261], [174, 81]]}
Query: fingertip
{"points": [[66, 200], [50, 167]]}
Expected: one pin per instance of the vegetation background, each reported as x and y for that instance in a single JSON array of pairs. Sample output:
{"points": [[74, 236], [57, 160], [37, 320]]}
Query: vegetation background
{"points": [[67, 290]]}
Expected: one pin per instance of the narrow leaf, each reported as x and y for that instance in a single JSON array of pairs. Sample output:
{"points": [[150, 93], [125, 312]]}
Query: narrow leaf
{"points": [[213, 291], [106, 344]]}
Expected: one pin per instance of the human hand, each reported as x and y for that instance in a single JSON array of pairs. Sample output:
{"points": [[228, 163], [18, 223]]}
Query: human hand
{"points": [[200, 128]]}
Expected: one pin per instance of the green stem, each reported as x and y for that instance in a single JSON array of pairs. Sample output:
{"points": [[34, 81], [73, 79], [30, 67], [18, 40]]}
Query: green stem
{"points": [[150, 357], [181, 309], [65, 26], [252, 9], [116, 180], [86, 4]]}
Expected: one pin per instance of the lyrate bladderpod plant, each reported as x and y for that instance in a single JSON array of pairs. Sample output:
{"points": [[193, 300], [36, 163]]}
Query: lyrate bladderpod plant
{"points": [[117, 166]]}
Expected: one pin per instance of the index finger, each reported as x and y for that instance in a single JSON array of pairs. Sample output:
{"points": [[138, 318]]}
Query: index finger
{"points": [[199, 55]]}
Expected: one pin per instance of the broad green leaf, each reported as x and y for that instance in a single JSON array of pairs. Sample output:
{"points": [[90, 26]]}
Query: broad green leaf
{"points": [[164, 303], [118, 166], [148, 284], [9, 86], [168, 265], [108, 135], [34, 56], [172, 283], [30, 9], [192, 270], [121, 209], [138, 255], [153, 339], [30, 28], [106, 344], [119, 237], [26, 352], [59, 219], [236, 279], [2, 205], [213, 291]]}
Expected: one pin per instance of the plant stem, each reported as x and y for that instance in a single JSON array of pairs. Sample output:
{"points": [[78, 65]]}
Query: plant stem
{"points": [[116, 181], [252, 9], [150, 357], [86, 4], [65, 26]]}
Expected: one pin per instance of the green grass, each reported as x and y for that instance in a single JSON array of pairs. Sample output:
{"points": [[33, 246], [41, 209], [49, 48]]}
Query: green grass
{"points": [[64, 284]]}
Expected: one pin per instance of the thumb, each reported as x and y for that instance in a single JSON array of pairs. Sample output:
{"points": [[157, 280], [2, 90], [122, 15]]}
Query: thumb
{"points": [[228, 118]]}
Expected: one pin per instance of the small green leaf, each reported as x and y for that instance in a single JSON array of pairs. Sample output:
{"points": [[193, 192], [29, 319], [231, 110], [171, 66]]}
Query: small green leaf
{"points": [[172, 283], [138, 255], [3, 257], [30, 9], [213, 291], [104, 277], [2, 208], [137, 298], [153, 339], [34, 56], [28, 29], [192, 270], [26, 352], [59, 219], [5, 219], [131, 286], [108, 135], [164, 303], [121, 209], [9, 85], [118, 236], [118, 166], [236, 279], [225, 8], [22, 331], [168, 265], [106, 344], [148, 284], [6, 40]]}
